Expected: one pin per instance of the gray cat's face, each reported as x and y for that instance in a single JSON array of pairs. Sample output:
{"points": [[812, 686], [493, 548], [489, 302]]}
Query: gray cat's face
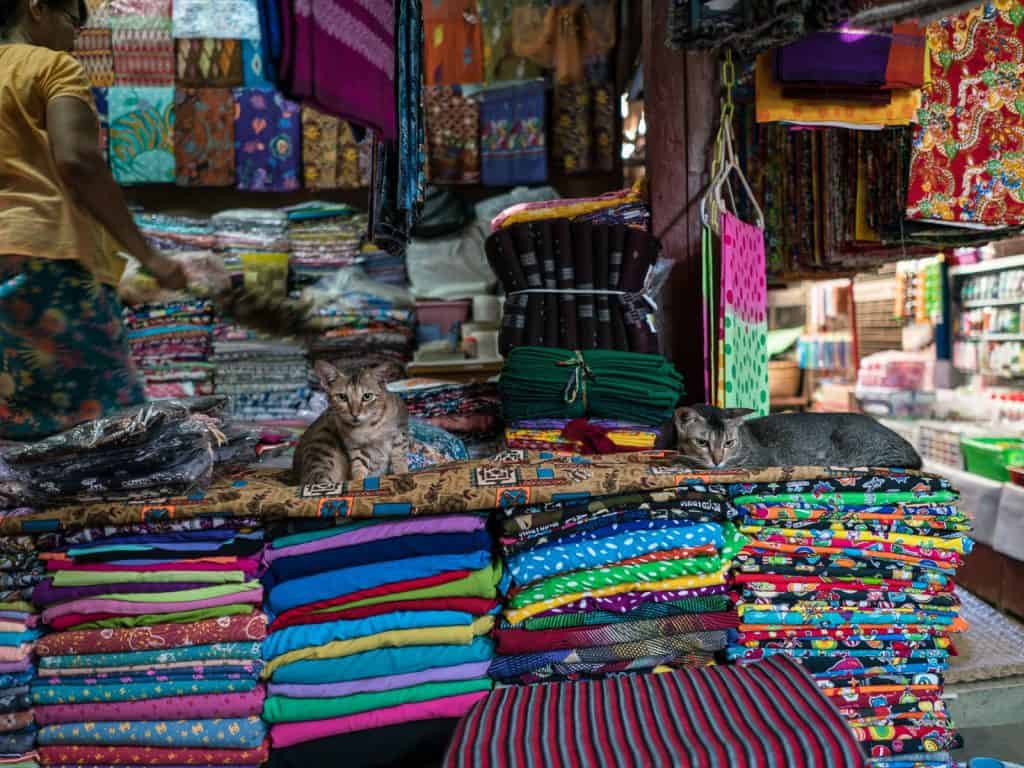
{"points": [[709, 437], [356, 399]]}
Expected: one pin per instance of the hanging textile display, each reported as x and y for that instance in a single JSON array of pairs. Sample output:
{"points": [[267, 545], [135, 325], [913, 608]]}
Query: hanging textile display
{"points": [[233, 19], [968, 149], [141, 41], [268, 139], [512, 135], [204, 137], [453, 52], [94, 49], [500, 59], [208, 62], [452, 123], [141, 134], [332, 157], [734, 285], [744, 315]]}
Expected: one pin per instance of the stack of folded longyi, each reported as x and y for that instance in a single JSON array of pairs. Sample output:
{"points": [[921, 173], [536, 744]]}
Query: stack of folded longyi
{"points": [[155, 651], [854, 577], [615, 584], [379, 637]]}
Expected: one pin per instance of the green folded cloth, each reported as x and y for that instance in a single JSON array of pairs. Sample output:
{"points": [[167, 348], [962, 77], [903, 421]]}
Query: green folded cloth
{"points": [[549, 383]]}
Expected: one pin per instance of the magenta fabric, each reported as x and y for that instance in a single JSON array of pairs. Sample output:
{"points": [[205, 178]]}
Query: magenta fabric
{"points": [[203, 707], [328, 37], [470, 671], [287, 734], [46, 594], [125, 608], [423, 525]]}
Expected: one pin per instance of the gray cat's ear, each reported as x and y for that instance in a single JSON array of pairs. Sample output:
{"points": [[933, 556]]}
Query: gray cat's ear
{"points": [[686, 416], [327, 373], [736, 414]]}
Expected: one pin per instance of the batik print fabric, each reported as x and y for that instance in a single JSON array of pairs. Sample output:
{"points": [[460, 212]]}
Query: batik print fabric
{"points": [[857, 585], [141, 134], [65, 360], [968, 155], [453, 129], [500, 60], [452, 51], [94, 50], [268, 139], [208, 62], [204, 137], [332, 156], [512, 136]]}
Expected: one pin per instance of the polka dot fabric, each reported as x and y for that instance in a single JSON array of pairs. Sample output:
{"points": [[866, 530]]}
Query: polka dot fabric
{"points": [[745, 315]]}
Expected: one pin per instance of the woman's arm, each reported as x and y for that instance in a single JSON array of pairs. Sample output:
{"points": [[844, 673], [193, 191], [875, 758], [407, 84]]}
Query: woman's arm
{"points": [[74, 142]]}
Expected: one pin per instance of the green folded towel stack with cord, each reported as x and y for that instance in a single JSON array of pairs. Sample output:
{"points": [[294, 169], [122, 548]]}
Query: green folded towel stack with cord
{"points": [[548, 383]]}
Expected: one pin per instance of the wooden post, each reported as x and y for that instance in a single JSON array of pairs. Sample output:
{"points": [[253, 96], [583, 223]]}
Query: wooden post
{"points": [[681, 105]]}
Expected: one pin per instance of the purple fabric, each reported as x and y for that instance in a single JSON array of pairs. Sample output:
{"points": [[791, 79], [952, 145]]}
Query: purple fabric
{"points": [[13, 667], [125, 608], [331, 37], [469, 671], [453, 524], [629, 601], [268, 140], [838, 57], [46, 594]]}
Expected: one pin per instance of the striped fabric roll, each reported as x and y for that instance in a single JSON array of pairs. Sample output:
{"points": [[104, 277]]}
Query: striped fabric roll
{"points": [[768, 715]]}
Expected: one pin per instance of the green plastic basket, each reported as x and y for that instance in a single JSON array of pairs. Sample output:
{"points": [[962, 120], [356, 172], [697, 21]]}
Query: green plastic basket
{"points": [[991, 457]]}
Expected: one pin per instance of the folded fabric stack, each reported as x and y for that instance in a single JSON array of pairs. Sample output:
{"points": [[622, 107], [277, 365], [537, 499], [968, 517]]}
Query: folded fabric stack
{"points": [[171, 345], [854, 578], [575, 285], [20, 571], [376, 626], [584, 436], [155, 652], [173, 234], [249, 230], [546, 383], [382, 266], [363, 322], [617, 584], [324, 237], [769, 714], [266, 379], [471, 412]]}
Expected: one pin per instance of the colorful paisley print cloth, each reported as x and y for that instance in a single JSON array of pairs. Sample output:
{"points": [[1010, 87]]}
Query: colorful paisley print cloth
{"points": [[64, 355], [332, 156], [968, 152], [208, 62], [141, 134], [512, 135], [82, 754], [453, 129], [227, 733], [268, 139], [204, 137]]}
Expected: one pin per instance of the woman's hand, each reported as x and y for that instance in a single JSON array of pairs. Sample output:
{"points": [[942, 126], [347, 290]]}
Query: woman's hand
{"points": [[169, 274]]}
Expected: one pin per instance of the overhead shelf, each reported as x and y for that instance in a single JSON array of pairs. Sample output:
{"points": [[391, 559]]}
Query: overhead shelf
{"points": [[994, 265]]}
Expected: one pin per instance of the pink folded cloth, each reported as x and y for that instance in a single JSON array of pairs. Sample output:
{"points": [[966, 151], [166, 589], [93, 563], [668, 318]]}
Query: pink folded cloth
{"points": [[13, 626], [207, 706], [126, 608], [286, 734], [11, 653]]}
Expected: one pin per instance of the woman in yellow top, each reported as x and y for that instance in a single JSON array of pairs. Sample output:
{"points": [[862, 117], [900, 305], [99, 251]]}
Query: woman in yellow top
{"points": [[63, 350]]}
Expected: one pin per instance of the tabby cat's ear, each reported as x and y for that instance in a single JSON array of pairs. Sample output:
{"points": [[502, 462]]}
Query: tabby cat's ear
{"points": [[382, 372], [736, 414], [327, 373], [686, 416]]}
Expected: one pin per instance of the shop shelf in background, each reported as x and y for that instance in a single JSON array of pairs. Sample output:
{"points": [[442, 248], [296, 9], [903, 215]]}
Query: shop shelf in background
{"points": [[991, 457]]}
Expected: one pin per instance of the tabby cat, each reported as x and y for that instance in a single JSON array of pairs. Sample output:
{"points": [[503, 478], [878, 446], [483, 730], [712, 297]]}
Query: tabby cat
{"points": [[710, 437], [361, 434]]}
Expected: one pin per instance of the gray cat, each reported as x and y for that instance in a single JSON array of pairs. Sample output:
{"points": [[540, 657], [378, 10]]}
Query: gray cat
{"points": [[711, 437]]}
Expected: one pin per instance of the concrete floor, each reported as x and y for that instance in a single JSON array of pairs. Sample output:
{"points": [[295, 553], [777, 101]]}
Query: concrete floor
{"points": [[990, 717], [1005, 742]]}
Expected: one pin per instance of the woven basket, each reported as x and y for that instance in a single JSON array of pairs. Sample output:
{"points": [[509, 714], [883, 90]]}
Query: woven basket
{"points": [[783, 378]]}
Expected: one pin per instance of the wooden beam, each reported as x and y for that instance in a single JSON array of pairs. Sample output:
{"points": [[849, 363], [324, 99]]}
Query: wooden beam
{"points": [[681, 104]]}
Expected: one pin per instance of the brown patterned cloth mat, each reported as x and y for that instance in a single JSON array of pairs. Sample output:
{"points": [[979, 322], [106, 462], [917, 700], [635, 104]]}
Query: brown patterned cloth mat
{"points": [[515, 478]]}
